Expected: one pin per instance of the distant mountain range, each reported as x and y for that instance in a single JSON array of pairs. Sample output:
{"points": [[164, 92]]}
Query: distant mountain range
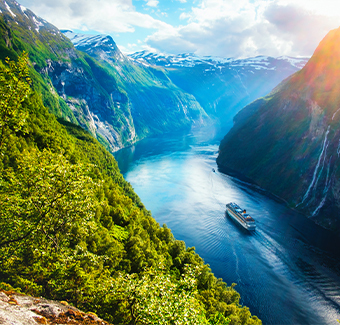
{"points": [[121, 99], [289, 141], [223, 86], [189, 60]]}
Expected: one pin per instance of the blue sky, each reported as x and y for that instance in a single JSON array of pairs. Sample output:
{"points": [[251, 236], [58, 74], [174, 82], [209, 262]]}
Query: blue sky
{"points": [[225, 28]]}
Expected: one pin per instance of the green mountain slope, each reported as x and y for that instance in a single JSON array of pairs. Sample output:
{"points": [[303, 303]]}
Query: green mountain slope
{"points": [[73, 229], [73, 85], [288, 142]]}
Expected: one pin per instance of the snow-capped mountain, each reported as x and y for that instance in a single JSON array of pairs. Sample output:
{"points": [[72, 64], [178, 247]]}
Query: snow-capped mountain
{"points": [[13, 11], [223, 85], [102, 45], [190, 60]]}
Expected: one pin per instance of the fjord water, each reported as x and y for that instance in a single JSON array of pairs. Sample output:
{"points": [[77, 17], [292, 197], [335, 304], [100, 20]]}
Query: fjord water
{"points": [[287, 271]]}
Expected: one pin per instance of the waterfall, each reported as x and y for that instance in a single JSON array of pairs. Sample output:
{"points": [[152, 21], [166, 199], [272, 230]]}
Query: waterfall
{"points": [[316, 168], [335, 114], [325, 190]]}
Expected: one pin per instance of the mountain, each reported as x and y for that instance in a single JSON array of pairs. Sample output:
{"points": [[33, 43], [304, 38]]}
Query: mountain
{"points": [[189, 89], [156, 104], [223, 85], [289, 141], [73, 85], [97, 88]]}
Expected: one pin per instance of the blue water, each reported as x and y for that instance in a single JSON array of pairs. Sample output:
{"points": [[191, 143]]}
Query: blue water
{"points": [[287, 271]]}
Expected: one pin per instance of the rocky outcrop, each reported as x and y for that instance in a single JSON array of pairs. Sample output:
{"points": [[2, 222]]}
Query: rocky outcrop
{"points": [[19, 309], [103, 112]]}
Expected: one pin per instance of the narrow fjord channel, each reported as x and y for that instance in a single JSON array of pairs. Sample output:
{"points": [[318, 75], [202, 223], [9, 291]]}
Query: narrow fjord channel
{"points": [[287, 271]]}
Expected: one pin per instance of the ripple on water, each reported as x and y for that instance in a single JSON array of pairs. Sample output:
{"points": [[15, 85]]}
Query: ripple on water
{"points": [[282, 274]]}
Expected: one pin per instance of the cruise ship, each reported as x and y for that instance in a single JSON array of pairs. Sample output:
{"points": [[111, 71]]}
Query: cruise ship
{"points": [[241, 216]]}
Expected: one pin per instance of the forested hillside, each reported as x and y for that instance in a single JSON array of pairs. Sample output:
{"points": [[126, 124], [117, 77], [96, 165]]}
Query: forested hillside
{"points": [[73, 229]]}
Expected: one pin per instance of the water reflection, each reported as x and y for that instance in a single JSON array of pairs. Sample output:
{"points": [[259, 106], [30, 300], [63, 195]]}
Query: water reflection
{"points": [[287, 271]]}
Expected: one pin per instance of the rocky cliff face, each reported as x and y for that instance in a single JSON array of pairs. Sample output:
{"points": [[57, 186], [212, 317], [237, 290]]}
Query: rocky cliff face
{"points": [[289, 141], [103, 112], [157, 105], [96, 85]]}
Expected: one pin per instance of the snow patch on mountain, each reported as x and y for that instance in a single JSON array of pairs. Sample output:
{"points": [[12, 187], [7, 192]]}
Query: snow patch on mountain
{"points": [[186, 60], [37, 23], [296, 62], [190, 60], [9, 9], [89, 43], [89, 40]]}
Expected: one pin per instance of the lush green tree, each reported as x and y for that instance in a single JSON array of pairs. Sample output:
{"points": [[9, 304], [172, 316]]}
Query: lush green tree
{"points": [[153, 297], [43, 199], [219, 319], [14, 89]]}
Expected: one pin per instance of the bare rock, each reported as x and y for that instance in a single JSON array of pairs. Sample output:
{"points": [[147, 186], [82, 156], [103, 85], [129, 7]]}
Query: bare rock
{"points": [[19, 309]]}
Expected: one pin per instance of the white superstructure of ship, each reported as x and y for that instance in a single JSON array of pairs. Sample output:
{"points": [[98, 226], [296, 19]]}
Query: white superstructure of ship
{"points": [[241, 216]]}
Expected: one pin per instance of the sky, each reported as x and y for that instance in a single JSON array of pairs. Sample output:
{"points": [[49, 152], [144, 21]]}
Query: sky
{"points": [[223, 28]]}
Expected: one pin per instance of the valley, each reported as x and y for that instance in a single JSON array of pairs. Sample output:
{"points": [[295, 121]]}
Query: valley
{"points": [[288, 258], [115, 172]]}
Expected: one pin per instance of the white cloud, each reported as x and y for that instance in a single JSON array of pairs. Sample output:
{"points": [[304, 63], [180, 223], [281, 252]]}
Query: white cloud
{"points": [[152, 3], [230, 28], [240, 28], [106, 16]]}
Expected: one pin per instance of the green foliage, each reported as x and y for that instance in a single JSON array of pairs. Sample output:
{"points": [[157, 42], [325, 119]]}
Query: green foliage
{"points": [[153, 297], [219, 319], [73, 229], [14, 89], [43, 199]]}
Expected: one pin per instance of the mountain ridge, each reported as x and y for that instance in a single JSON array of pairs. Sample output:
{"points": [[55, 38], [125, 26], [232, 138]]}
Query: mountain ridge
{"points": [[221, 86], [190, 59]]}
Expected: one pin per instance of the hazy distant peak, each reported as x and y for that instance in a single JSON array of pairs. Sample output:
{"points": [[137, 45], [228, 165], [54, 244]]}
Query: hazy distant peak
{"points": [[191, 60]]}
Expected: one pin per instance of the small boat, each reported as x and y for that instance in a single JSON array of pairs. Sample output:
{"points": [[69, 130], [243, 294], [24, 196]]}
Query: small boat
{"points": [[241, 216], [213, 170]]}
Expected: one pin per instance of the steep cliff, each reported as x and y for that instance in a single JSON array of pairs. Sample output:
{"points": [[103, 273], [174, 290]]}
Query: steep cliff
{"points": [[157, 105], [289, 141]]}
